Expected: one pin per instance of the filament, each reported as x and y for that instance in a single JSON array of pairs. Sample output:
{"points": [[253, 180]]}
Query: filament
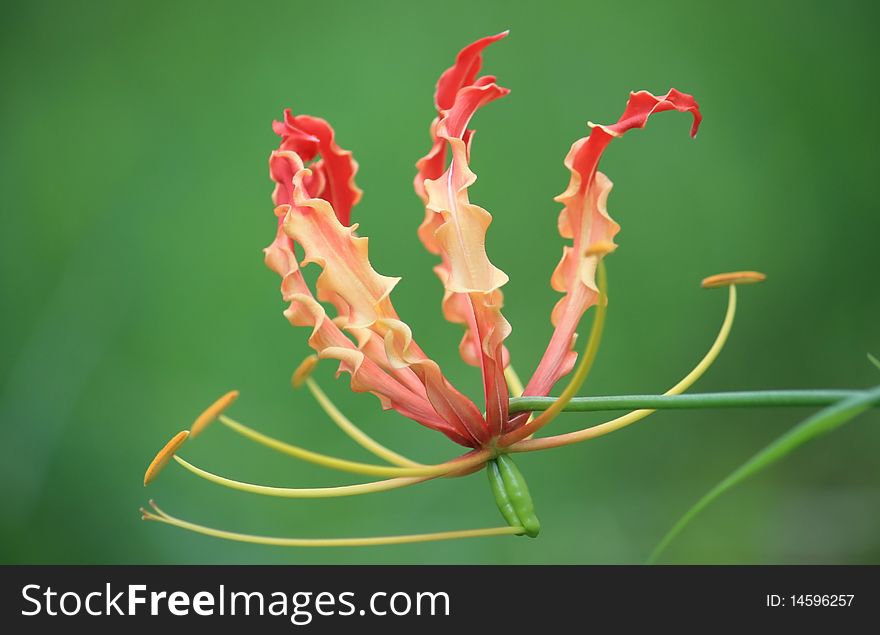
{"points": [[159, 516], [305, 492], [358, 435], [466, 461], [514, 383], [637, 415], [303, 371]]}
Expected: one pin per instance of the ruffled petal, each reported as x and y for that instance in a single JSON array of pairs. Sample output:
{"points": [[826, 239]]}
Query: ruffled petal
{"points": [[460, 75], [330, 342], [365, 360], [472, 295], [366, 376], [332, 176], [585, 220], [472, 283], [464, 72], [361, 297]]}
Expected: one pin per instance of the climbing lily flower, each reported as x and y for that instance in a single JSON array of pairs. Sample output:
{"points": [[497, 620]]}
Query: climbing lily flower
{"points": [[352, 321]]}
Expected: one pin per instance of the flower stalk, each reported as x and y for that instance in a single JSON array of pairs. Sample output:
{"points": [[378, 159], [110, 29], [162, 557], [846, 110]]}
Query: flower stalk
{"points": [[692, 401]]}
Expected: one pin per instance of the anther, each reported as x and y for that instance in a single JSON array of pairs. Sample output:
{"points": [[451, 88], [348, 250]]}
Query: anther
{"points": [[212, 412], [734, 277], [164, 456], [303, 371]]}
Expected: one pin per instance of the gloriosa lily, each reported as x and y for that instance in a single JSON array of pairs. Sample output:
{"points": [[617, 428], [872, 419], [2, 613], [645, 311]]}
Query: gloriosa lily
{"points": [[314, 196]]}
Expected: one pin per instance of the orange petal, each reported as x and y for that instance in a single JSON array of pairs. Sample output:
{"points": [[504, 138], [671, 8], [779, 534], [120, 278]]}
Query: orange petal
{"points": [[398, 388], [330, 343], [462, 75], [312, 209], [472, 283], [585, 220], [333, 175], [347, 277], [464, 72]]}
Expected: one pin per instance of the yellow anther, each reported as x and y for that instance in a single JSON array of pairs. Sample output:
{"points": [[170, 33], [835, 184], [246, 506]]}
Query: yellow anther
{"points": [[303, 371], [164, 456], [734, 277], [600, 248], [212, 412]]}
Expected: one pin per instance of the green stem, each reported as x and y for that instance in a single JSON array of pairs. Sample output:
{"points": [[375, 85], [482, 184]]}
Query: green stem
{"points": [[749, 399]]}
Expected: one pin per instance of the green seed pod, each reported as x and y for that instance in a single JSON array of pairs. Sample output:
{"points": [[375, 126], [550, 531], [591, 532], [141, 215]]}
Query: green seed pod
{"points": [[500, 492], [517, 494]]}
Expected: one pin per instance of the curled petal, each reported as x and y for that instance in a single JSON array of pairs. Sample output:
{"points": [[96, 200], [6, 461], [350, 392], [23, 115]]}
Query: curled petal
{"points": [[294, 151], [366, 376], [294, 138], [374, 347], [461, 74], [430, 166], [464, 72], [447, 401], [462, 235], [332, 177], [472, 283], [362, 297], [347, 275], [366, 361], [585, 220], [399, 356], [452, 88]]}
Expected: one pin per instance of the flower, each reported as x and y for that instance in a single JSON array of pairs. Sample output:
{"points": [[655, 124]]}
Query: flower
{"points": [[315, 194], [314, 204]]}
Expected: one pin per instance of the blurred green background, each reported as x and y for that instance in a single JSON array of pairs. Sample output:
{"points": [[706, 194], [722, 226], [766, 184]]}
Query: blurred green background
{"points": [[135, 185]]}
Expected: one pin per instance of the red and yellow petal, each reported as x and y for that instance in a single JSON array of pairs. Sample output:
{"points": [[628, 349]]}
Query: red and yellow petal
{"points": [[456, 229], [585, 220]]}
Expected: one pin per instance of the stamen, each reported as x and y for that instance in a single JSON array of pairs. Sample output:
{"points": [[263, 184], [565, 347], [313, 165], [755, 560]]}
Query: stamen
{"points": [[304, 370], [164, 455], [304, 492], [583, 368], [448, 468], [514, 383], [734, 277], [358, 435], [160, 516], [637, 415], [212, 412]]}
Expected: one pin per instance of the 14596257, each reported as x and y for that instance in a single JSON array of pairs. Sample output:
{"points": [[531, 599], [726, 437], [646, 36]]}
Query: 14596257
{"points": [[810, 599]]}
